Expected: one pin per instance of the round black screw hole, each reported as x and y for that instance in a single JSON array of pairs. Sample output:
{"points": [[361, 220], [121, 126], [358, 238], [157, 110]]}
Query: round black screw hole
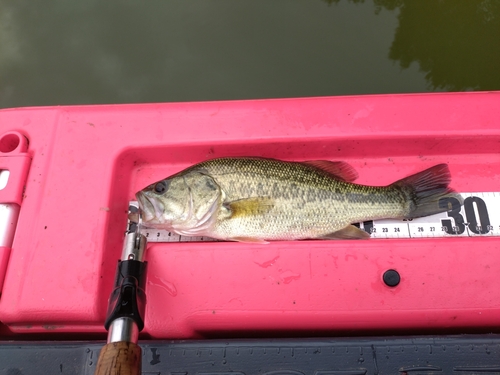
{"points": [[391, 278]]}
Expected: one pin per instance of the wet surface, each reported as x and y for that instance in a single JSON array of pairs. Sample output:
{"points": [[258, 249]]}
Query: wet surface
{"points": [[161, 51]]}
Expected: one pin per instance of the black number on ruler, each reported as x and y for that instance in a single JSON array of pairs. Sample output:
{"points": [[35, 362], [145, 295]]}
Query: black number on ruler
{"points": [[396, 229], [483, 226], [454, 212], [420, 229], [385, 230]]}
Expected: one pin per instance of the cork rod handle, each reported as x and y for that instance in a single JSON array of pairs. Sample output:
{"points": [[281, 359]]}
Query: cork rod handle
{"points": [[119, 358]]}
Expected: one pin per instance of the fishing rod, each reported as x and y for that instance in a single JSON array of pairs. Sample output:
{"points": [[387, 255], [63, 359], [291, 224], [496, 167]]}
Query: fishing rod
{"points": [[125, 316]]}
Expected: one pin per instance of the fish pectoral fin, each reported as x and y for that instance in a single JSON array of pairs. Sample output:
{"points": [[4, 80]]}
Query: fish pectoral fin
{"points": [[350, 232], [249, 240], [249, 206], [339, 170]]}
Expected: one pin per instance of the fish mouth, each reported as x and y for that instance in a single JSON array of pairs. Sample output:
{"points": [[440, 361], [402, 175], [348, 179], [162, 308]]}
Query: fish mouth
{"points": [[150, 209]]}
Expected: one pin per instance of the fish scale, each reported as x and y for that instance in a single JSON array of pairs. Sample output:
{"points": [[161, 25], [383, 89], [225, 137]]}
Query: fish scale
{"points": [[257, 199], [483, 212]]}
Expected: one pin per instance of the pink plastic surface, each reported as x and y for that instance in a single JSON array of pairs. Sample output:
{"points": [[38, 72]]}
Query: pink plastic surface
{"points": [[15, 159], [89, 161], [4, 261]]}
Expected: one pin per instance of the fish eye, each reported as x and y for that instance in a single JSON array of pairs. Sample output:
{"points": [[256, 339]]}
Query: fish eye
{"points": [[160, 187]]}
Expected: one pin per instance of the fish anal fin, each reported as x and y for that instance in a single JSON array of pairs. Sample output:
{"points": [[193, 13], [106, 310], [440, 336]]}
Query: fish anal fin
{"points": [[249, 240], [336, 169], [348, 233], [249, 206]]}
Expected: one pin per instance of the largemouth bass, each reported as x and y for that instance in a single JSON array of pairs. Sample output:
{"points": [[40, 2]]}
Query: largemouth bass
{"points": [[259, 200]]}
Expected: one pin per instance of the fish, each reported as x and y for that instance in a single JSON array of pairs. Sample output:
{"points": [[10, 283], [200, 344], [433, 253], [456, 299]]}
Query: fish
{"points": [[256, 200]]}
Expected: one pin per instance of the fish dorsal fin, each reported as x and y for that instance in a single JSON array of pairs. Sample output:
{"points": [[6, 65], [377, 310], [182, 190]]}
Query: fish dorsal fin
{"points": [[348, 233], [337, 169], [249, 206]]}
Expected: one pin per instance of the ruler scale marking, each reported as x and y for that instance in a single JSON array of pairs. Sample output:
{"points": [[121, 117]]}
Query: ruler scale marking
{"points": [[480, 217]]}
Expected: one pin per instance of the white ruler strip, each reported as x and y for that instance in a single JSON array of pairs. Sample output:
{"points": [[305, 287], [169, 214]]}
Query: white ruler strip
{"points": [[479, 216]]}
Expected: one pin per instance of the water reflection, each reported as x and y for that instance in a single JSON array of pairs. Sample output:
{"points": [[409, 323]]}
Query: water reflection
{"points": [[117, 51], [455, 42]]}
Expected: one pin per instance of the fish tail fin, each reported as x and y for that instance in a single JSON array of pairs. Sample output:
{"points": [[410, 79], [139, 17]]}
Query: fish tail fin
{"points": [[427, 192]]}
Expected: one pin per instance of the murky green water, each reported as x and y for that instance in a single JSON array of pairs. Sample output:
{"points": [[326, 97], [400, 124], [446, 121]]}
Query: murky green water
{"points": [[69, 52]]}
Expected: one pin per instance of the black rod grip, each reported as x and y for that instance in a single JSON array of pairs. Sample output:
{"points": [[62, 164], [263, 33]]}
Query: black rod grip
{"points": [[128, 298]]}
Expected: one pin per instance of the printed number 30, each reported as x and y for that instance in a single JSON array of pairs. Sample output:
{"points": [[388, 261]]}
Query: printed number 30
{"points": [[482, 228]]}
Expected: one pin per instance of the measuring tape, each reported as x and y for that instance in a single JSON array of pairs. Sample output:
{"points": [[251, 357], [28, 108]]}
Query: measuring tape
{"points": [[478, 216]]}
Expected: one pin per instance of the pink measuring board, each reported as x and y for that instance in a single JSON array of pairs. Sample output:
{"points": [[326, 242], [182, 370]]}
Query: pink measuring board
{"points": [[78, 167]]}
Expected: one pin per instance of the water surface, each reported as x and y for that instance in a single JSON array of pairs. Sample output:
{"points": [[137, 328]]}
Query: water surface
{"points": [[87, 52]]}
